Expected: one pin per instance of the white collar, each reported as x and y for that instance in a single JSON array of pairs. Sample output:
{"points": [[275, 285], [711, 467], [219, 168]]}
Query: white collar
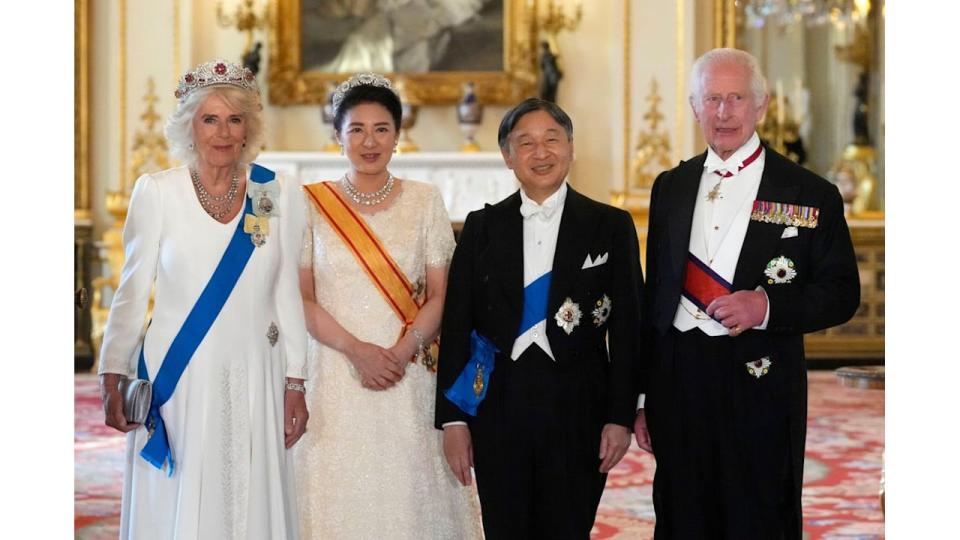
{"points": [[732, 164], [529, 207]]}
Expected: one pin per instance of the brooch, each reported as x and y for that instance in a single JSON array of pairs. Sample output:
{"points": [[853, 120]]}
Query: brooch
{"points": [[478, 380], [759, 368], [780, 270], [264, 198], [272, 334], [257, 227], [778, 213], [602, 312], [568, 316]]}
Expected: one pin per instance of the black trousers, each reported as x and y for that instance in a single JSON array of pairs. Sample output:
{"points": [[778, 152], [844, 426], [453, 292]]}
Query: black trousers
{"points": [[721, 438], [536, 443]]}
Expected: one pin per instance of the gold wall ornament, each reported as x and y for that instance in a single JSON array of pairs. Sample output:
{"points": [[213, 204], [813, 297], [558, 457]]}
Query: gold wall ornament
{"points": [[652, 151], [291, 83], [149, 155], [245, 19]]}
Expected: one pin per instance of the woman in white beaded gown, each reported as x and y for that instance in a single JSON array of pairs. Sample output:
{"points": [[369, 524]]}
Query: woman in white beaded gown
{"points": [[373, 277], [219, 239]]}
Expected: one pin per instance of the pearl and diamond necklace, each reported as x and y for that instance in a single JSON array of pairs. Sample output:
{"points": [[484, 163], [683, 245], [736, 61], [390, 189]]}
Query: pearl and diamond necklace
{"points": [[216, 205], [368, 199]]}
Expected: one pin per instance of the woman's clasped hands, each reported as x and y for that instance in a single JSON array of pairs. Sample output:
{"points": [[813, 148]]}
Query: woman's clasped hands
{"points": [[378, 368]]}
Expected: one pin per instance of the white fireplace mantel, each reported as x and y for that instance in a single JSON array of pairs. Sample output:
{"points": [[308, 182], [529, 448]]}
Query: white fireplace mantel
{"points": [[466, 180]]}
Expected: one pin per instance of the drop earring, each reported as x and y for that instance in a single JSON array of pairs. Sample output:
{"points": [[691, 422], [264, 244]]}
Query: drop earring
{"points": [[190, 146]]}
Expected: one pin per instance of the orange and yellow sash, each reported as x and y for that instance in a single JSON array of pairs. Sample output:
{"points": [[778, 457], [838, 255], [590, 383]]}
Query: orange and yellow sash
{"points": [[370, 253]]}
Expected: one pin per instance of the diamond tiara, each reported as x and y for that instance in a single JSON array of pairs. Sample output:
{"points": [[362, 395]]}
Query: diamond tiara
{"points": [[360, 79], [216, 72]]}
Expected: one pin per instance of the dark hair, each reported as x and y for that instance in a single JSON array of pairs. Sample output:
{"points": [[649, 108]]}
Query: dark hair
{"points": [[528, 106], [367, 93]]}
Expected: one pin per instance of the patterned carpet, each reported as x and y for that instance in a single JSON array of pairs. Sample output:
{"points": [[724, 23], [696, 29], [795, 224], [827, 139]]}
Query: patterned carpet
{"points": [[841, 477]]}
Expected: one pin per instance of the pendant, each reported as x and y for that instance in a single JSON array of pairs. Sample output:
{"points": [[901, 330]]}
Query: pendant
{"points": [[478, 381], [714, 193]]}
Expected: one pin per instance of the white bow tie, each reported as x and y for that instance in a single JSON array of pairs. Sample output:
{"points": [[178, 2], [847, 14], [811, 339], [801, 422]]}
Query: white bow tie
{"points": [[545, 211]]}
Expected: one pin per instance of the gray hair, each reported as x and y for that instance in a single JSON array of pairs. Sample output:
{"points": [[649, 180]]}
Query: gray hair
{"points": [[758, 83], [179, 128]]}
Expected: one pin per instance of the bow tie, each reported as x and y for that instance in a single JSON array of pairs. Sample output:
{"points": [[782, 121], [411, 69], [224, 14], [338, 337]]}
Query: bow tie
{"points": [[722, 169], [545, 210]]}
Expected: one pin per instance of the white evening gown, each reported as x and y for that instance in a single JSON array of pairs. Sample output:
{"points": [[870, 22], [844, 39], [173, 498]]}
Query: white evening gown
{"points": [[371, 464], [233, 477]]}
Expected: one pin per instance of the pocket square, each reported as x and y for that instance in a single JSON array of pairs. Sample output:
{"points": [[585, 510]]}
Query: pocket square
{"points": [[789, 232], [590, 263]]}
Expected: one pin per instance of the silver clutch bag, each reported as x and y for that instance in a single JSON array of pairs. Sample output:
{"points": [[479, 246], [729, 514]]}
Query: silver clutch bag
{"points": [[137, 394]]}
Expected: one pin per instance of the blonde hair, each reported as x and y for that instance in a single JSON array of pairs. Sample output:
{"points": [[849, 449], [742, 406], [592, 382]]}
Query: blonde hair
{"points": [[179, 127]]}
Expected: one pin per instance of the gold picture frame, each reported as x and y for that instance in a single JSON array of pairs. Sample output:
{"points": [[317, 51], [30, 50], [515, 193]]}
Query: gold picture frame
{"points": [[291, 84]]}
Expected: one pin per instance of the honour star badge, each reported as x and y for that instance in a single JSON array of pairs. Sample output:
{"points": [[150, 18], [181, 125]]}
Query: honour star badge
{"points": [[780, 270], [759, 368], [602, 312], [568, 317]]}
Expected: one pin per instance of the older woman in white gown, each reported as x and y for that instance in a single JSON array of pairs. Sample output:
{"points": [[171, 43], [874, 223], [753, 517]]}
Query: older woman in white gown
{"points": [[217, 239]]}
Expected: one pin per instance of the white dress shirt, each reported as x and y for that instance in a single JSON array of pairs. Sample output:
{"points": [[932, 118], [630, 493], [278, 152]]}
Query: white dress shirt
{"points": [[720, 225], [541, 225]]}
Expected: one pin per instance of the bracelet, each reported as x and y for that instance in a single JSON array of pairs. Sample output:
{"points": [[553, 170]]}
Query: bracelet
{"points": [[296, 386], [420, 340]]}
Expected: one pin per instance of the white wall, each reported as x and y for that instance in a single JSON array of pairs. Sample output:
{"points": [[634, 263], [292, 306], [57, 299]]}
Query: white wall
{"points": [[592, 90]]}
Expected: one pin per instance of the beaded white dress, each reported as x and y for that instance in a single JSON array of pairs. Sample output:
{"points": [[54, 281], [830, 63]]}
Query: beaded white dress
{"points": [[233, 477], [371, 464]]}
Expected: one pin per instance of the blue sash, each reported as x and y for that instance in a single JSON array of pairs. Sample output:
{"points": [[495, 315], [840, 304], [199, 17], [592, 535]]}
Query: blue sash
{"points": [[194, 329], [535, 296], [471, 385]]}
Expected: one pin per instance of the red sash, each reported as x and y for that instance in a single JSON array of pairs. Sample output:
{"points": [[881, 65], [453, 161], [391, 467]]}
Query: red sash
{"points": [[701, 285]]}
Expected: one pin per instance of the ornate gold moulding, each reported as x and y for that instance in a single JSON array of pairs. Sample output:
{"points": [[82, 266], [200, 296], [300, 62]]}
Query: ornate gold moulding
{"points": [[290, 85]]}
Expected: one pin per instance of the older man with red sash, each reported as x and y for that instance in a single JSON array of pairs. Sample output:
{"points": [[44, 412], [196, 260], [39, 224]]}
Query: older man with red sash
{"points": [[746, 252]]}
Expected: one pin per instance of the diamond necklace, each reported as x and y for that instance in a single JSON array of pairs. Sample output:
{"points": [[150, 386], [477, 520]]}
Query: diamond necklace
{"points": [[367, 199], [216, 206]]}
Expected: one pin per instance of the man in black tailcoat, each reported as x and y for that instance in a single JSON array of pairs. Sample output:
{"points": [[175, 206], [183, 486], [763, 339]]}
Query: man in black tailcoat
{"points": [[552, 279], [746, 252]]}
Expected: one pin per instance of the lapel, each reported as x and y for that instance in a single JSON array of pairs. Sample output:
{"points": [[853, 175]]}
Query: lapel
{"points": [[680, 200], [506, 239], [577, 229], [760, 242]]}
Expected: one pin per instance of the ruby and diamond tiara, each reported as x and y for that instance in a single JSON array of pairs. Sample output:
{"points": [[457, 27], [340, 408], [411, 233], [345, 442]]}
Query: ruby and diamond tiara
{"points": [[216, 72], [360, 79]]}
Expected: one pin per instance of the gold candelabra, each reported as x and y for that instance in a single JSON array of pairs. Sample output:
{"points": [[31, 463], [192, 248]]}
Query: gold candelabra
{"points": [[245, 19], [555, 20]]}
